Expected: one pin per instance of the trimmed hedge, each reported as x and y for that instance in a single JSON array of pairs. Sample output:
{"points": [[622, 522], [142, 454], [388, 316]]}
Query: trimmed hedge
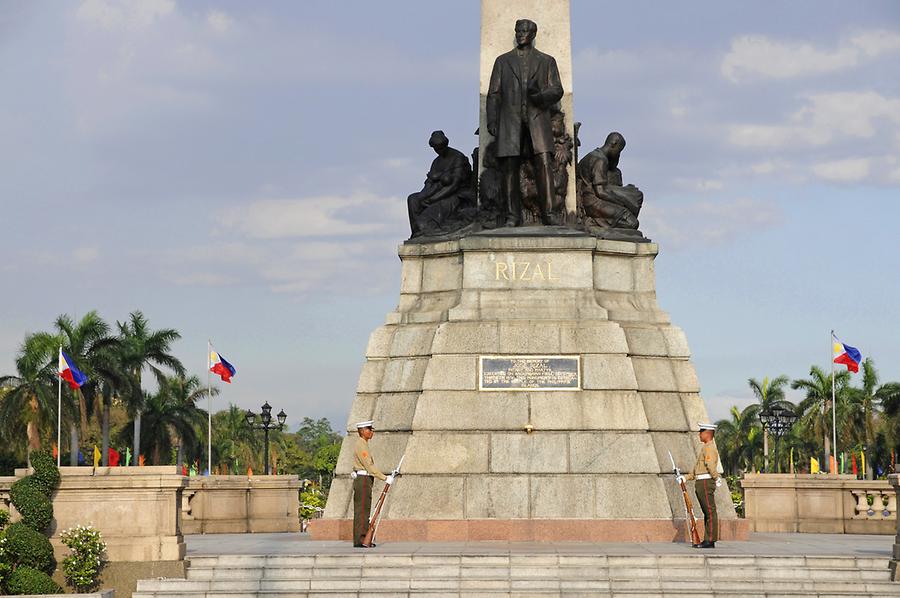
{"points": [[24, 546], [26, 555], [46, 473], [25, 580], [32, 503]]}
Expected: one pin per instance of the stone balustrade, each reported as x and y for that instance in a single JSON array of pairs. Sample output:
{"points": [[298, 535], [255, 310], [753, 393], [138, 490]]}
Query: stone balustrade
{"points": [[821, 503], [233, 504], [894, 481]]}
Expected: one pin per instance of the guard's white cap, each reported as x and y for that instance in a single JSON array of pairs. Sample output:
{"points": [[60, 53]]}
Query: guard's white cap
{"points": [[366, 424], [703, 426]]}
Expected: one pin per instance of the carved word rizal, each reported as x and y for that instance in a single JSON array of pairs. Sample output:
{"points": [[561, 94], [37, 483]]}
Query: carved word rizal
{"points": [[526, 271]]}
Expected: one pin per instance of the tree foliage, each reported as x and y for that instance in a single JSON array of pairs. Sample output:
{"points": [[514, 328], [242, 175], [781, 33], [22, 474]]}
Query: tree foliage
{"points": [[867, 415]]}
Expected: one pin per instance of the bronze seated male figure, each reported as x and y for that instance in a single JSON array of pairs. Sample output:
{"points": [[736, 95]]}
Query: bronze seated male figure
{"points": [[603, 201]]}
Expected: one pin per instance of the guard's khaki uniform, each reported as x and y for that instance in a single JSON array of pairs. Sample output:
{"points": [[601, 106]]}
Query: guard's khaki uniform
{"points": [[706, 472], [364, 466]]}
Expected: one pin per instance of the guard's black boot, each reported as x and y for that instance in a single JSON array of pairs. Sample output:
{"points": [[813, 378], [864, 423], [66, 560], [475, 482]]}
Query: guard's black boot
{"points": [[707, 544]]}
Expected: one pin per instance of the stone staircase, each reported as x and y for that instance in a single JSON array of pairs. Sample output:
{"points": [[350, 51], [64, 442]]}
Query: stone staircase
{"points": [[532, 574]]}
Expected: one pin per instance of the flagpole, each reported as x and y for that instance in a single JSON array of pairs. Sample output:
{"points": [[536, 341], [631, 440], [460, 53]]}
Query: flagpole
{"points": [[833, 405], [208, 411], [58, 410]]}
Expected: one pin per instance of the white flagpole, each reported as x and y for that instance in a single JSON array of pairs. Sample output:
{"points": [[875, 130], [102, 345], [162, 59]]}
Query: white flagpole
{"points": [[208, 410], [833, 408], [58, 410]]}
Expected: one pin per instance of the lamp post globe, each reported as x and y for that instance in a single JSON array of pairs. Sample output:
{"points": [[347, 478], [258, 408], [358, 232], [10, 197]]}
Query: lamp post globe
{"points": [[778, 420], [265, 424]]}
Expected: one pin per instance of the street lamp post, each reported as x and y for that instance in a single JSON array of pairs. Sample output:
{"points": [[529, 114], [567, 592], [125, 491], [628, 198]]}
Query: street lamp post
{"points": [[778, 420], [266, 424]]}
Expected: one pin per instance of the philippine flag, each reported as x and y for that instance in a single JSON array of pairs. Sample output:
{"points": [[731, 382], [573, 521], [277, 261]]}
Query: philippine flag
{"points": [[74, 377], [218, 365], [846, 355]]}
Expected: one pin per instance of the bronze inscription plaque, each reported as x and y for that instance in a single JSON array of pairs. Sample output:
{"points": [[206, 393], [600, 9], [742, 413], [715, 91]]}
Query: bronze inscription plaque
{"points": [[529, 372]]}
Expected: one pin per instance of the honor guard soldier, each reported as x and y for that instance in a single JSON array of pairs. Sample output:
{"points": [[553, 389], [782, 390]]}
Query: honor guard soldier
{"points": [[363, 471], [706, 476]]}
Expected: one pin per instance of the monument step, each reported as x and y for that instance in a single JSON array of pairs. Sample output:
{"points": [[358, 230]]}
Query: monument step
{"points": [[527, 575]]}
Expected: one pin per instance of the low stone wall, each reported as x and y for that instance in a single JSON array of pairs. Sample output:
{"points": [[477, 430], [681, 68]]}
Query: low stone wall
{"points": [[233, 504], [894, 481], [136, 509], [820, 503]]}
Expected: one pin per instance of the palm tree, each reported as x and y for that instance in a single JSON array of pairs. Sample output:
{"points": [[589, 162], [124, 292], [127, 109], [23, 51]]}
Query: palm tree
{"points": [[113, 382], [737, 438], [233, 441], [31, 393], [864, 404], [85, 342], [769, 393], [171, 416], [815, 409], [143, 349]]}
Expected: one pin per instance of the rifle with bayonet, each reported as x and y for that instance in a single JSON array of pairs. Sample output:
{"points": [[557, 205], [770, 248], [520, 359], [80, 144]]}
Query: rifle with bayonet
{"points": [[688, 507], [376, 516]]}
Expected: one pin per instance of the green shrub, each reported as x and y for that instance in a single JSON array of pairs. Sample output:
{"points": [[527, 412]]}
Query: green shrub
{"points": [[29, 498], [311, 502], [46, 473], [5, 567], [25, 580], [737, 494], [82, 567], [25, 546], [4, 519]]}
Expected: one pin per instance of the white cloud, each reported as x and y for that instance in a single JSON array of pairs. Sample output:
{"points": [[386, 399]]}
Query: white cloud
{"points": [[708, 223], [201, 279], [850, 170], [825, 116], [700, 185], [876, 43], [121, 14], [765, 167], [86, 255], [220, 22], [759, 55], [397, 163], [593, 60], [894, 176], [311, 217]]}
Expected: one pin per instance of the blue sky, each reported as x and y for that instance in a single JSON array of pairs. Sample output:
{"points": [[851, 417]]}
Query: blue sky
{"points": [[238, 171]]}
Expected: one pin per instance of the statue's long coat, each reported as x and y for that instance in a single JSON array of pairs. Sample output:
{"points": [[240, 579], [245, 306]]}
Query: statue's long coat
{"points": [[504, 101]]}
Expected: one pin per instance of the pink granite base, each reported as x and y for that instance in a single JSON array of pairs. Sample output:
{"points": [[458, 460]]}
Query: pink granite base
{"points": [[525, 530]]}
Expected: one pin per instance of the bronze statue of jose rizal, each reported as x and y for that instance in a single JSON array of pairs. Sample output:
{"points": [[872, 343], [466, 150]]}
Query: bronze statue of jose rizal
{"points": [[524, 87]]}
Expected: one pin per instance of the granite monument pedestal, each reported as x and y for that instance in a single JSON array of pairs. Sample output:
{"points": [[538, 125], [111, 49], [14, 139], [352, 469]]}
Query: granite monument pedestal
{"points": [[471, 378]]}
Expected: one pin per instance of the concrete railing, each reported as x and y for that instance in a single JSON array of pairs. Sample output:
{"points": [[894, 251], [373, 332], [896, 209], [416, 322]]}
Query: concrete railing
{"points": [[136, 509], [233, 504], [836, 504]]}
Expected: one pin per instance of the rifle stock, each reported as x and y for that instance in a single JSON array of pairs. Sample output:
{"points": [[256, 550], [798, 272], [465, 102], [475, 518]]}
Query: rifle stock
{"points": [[373, 522], [688, 507], [692, 522]]}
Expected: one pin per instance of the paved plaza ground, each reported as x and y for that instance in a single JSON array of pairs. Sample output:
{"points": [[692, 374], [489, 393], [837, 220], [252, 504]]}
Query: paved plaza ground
{"points": [[759, 545]]}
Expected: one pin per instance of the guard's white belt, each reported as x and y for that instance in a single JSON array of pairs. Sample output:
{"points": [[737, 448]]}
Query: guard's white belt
{"points": [[704, 476], [364, 472]]}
